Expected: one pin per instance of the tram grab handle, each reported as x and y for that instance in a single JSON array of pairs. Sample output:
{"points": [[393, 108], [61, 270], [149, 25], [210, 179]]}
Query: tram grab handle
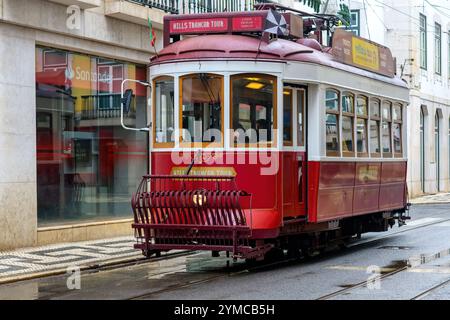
{"points": [[126, 97]]}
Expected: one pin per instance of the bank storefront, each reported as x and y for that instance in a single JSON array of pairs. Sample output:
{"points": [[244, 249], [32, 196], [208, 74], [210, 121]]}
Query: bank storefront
{"points": [[87, 164]]}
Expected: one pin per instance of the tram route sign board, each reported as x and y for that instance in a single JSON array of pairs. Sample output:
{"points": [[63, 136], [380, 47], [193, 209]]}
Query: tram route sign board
{"points": [[227, 22], [363, 53]]}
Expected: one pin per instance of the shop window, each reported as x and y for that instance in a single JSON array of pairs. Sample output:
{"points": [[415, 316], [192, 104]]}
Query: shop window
{"points": [[253, 109], [163, 111], [332, 122], [88, 166], [201, 109]]}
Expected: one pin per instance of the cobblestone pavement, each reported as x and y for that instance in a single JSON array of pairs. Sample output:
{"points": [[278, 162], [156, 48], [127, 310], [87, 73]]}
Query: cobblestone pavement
{"points": [[48, 259], [432, 198]]}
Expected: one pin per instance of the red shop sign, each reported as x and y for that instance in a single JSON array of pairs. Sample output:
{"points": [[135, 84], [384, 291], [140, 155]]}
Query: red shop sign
{"points": [[199, 25], [247, 23]]}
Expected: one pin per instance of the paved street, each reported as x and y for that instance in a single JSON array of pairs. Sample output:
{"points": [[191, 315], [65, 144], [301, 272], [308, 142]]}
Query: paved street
{"points": [[409, 260]]}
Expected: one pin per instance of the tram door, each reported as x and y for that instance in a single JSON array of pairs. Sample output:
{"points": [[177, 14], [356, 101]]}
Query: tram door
{"points": [[294, 156]]}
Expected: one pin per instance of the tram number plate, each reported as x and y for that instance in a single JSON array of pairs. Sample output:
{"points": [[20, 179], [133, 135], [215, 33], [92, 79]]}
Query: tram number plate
{"points": [[333, 224]]}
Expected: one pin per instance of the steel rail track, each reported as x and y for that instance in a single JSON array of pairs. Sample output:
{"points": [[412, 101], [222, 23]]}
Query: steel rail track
{"points": [[428, 291], [286, 261], [390, 273]]}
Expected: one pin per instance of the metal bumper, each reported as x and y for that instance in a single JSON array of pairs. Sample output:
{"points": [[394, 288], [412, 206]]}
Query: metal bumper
{"points": [[192, 213]]}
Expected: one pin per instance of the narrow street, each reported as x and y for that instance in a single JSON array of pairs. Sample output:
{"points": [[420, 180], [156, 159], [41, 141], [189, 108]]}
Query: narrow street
{"points": [[410, 262]]}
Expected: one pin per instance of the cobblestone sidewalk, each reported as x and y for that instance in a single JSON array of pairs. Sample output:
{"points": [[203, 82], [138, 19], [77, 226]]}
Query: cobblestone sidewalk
{"points": [[31, 262], [432, 198]]}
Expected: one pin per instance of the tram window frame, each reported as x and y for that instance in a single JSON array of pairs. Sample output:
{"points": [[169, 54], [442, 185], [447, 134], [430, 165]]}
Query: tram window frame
{"points": [[348, 115], [386, 120], [288, 143], [336, 113], [397, 120], [202, 144], [377, 119], [169, 144], [364, 117], [301, 111], [273, 142]]}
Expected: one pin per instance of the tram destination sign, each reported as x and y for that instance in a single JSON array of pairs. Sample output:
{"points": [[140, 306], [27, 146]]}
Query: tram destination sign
{"points": [[227, 22], [362, 53]]}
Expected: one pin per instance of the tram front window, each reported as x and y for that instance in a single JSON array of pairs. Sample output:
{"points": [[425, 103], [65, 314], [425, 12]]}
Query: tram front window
{"points": [[164, 110], [201, 108], [253, 104]]}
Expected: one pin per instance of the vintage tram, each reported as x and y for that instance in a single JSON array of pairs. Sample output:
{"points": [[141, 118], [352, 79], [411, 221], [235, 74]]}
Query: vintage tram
{"points": [[261, 143]]}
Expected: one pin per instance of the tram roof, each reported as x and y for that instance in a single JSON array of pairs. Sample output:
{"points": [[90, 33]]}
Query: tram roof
{"points": [[241, 47]]}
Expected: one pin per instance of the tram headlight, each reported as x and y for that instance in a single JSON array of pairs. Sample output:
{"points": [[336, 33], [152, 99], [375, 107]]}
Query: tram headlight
{"points": [[199, 199]]}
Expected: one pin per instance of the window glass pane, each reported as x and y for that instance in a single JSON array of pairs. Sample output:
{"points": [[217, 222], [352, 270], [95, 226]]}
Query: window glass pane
{"points": [[387, 110], [423, 41], [287, 116], [375, 108], [386, 131], [301, 117], [437, 49], [347, 103], [347, 134], [164, 110], [397, 112], [375, 136], [88, 166], [253, 108], [361, 106], [202, 108], [332, 129], [332, 100], [397, 130], [55, 58], [361, 135]]}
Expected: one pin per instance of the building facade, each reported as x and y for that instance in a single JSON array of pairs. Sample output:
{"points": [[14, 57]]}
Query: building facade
{"points": [[67, 167]]}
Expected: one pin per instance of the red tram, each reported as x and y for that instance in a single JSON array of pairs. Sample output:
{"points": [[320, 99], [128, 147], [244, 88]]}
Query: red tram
{"points": [[261, 144]]}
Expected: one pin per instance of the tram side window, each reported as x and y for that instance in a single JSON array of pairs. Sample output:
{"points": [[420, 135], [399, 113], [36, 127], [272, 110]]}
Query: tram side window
{"points": [[201, 108], [386, 129], [301, 117], [361, 126], [253, 111], [332, 122], [287, 117], [164, 110], [375, 149], [397, 129], [348, 114]]}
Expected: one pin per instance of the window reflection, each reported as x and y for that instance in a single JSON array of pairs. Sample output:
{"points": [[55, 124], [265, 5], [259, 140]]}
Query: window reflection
{"points": [[87, 165], [164, 110], [332, 122], [253, 103], [332, 128], [201, 105], [386, 128], [287, 117], [375, 136], [347, 134]]}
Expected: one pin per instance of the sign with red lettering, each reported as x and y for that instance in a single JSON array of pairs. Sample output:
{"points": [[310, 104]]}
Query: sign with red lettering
{"points": [[247, 23], [190, 26]]}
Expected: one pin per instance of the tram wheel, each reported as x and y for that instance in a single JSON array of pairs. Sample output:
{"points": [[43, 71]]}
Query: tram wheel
{"points": [[149, 253]]}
